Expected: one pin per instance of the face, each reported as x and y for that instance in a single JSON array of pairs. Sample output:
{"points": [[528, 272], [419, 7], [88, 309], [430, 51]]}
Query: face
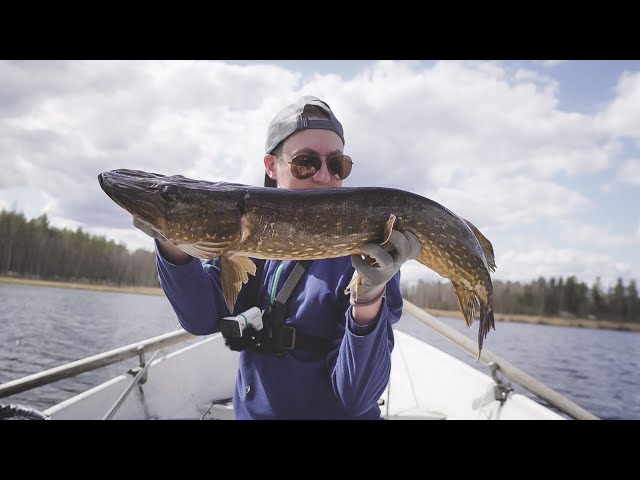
{"points": [[313, 141]]}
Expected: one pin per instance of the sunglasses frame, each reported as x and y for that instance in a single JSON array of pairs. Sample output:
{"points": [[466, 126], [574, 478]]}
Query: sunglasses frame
{"points": [[291, 165]]}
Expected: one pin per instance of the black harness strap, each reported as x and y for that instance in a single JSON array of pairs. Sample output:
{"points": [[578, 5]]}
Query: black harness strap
{"points": [[277, 337], [293, 279], [289, 337]]}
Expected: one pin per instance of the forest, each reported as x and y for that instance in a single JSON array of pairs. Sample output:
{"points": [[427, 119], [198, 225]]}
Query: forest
{"points": [[553, 297], [35, 249]]}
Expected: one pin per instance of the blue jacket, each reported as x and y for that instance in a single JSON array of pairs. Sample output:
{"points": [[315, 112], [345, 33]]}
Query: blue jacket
{"points": [[346, 383]]}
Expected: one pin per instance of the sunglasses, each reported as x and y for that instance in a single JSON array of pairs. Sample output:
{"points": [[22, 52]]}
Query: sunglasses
{"points": [[307, 165]]}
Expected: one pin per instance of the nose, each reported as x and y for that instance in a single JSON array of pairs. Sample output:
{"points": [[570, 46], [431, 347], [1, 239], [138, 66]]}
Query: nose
{"points": [[323, 175]]}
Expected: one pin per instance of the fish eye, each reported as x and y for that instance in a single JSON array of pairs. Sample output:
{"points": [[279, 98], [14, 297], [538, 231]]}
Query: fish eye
{"points": [[169, 193]]}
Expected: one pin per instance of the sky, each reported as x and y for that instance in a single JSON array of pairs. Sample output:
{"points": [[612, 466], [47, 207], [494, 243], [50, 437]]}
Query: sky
{"points": [[542, 156]]}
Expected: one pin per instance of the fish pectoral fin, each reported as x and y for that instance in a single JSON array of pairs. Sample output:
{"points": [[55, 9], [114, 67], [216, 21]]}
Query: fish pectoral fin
{"points": [[468, 303], [485, 244], [234, 272], [486, 322], [204, 250]]}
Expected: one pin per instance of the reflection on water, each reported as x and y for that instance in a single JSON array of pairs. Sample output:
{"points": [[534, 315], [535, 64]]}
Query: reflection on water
{"points": [[43, 327]]}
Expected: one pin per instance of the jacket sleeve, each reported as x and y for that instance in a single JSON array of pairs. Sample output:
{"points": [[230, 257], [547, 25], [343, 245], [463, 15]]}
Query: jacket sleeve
{"points": [[360, 371], [195, 293]]}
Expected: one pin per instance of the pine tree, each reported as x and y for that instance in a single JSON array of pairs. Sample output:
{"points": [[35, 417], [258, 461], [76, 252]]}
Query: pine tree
{"points": [[633, 302]]}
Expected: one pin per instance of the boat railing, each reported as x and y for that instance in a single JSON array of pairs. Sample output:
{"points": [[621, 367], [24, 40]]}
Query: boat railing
{"points": [[513, 373], [96, 361], [137, 349], [140, 377]]}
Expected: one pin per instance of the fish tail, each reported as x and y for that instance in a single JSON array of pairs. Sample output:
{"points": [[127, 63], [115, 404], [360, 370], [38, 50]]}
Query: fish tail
{"points": [[470, 304], [486, 322], [467, 301]]}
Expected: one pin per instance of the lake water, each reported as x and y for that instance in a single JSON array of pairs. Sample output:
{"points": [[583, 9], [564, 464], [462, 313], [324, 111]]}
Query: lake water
{"points": [[43, 327]]}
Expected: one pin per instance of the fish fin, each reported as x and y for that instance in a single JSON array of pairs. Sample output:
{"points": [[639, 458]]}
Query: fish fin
{"points": [[234, 271], [486, 322], [388, 228], [204, 250], [487, 248], [468, 302]]}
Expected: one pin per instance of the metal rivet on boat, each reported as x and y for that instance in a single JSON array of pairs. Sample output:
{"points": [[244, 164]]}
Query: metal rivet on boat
{"points": [[247, 389]]}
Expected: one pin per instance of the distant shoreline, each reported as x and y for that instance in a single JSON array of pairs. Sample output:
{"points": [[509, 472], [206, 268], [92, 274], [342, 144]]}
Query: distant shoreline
{"points": [[82, 286], [501, 317], [563, 322]]}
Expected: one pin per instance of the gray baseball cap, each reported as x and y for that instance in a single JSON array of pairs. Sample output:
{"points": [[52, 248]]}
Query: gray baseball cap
{"points": [[289, 120]]}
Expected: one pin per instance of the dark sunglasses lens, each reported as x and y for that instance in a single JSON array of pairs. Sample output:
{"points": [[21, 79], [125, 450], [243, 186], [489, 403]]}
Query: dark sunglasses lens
{"points": [[340, 166], [305, 166]]}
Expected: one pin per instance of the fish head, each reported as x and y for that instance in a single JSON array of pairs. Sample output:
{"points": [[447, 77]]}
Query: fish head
{"points": [[183, 210]]}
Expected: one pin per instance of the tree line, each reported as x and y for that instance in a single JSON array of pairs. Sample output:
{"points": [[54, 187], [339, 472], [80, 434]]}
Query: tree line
{"points": [[552, 297], [34, 249]]}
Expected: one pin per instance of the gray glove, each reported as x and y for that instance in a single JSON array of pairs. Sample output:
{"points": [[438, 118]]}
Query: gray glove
{"points": [[375, 277], [143, 227]]}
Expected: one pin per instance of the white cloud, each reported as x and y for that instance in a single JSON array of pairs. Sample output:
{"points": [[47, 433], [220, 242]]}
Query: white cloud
{"points": [[484, 141], [131, 237], [459, 119], [413, 271], [551, 63], [622, 115], [200, 118], [534, 76], [595, 235], [585, 265], [630, 172], [489, 202], [74, 120]]}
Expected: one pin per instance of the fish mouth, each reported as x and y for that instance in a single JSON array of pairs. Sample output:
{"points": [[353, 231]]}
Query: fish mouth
{"points": [[136, 192]]}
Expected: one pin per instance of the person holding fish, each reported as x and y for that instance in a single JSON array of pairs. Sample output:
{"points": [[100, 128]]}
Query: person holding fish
{"points": [[322, 349]]}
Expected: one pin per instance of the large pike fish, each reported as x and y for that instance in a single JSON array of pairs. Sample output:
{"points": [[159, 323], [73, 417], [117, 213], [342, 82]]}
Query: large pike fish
{"points": [[235, 222]]}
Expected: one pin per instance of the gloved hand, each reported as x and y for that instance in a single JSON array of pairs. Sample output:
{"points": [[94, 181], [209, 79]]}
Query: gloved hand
{"points": [[143, 227], [375, 277]]}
